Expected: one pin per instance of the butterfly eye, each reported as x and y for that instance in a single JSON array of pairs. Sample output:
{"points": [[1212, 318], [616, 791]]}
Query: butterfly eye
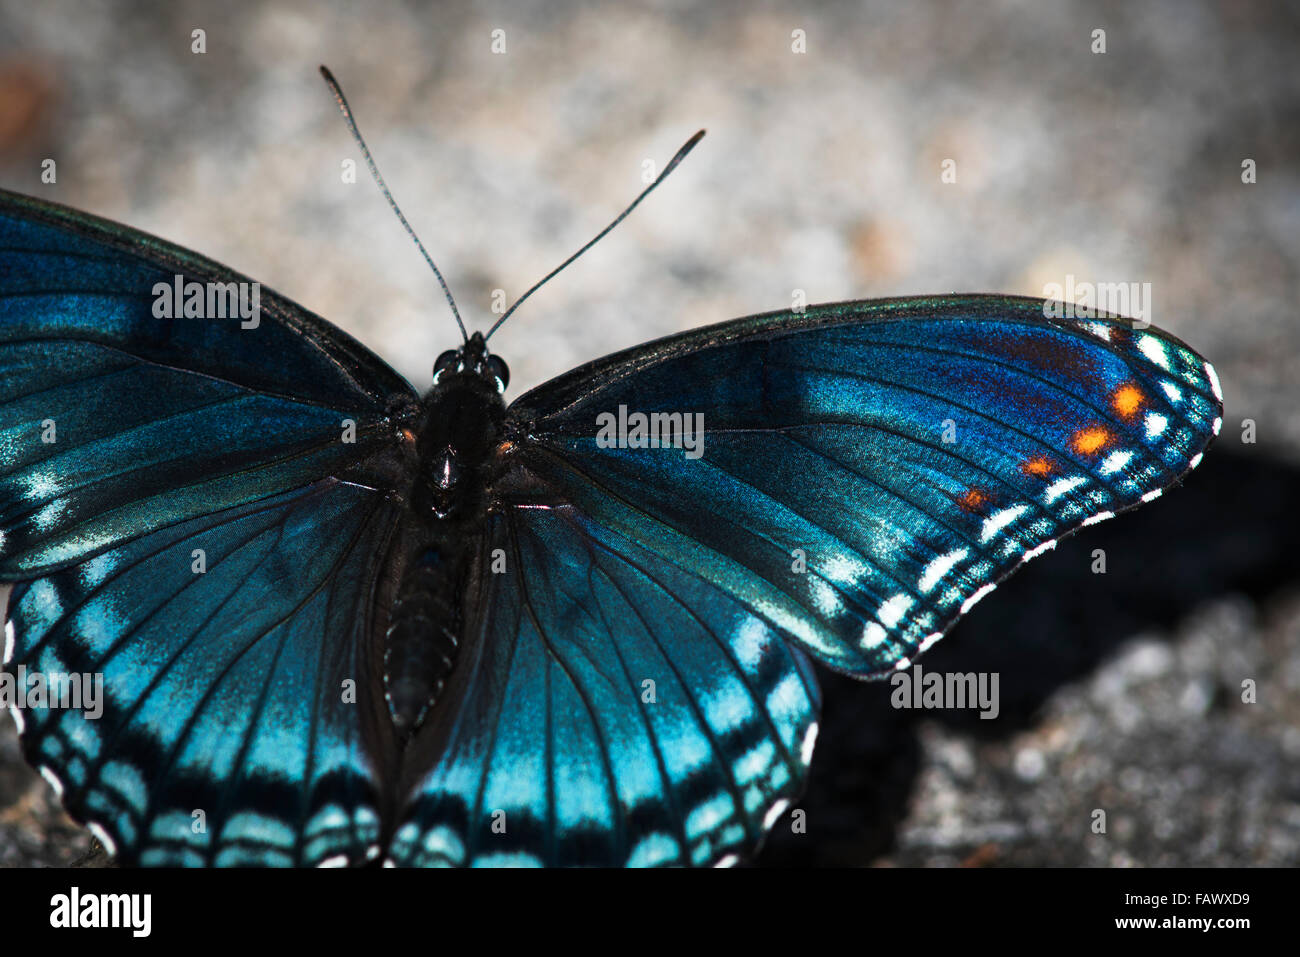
{"points": [[446, 361], [497, 367]]}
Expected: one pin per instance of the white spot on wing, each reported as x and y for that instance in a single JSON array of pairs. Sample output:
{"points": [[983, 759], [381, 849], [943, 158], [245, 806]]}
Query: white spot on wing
{"points": [[1047, 546], [1153, 495], [970, 602], [1061, 486], [9, 643], [99, 832], [338, 860], [53, 779], [1154, 349], [1214, 381], [1156, 424], [1099, 517], [1116, 461], [1175, 394], [1196, 460], [809, 742], [1000, 520], [774, 813], [873, 633], [893, 609], [939, 567]]}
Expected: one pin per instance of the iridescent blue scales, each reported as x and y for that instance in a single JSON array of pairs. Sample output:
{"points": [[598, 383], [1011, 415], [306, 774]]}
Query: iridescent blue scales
{"points": [[646, 718], [633, 684], [914, 451], [220, 687]]}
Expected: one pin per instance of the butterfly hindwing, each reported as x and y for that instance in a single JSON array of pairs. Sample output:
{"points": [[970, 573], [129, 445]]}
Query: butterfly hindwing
{"points": [[611, 709], [869, 470], [236, 724]]}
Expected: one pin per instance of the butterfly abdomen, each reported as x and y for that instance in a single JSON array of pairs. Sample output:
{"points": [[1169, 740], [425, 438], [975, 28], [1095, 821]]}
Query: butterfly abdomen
{"points": [[423, 634]]}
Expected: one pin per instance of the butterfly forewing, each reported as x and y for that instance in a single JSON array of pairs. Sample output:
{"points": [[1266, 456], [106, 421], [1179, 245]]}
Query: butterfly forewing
{"points": [[868, 470], [170, 485], [114, 421]]}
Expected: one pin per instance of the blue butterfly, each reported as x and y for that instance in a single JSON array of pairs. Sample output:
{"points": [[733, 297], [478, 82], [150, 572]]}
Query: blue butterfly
{"points": [[337, 621]]}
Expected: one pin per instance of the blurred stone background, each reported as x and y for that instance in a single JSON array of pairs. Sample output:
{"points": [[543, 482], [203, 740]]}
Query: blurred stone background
{"points": [[821, 172]]}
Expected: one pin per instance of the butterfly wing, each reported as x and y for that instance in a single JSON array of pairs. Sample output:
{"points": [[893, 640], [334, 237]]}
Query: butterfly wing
{"points": [[871, 469], [624, 695], [222, 717], [114, 421], [199, 511], [609, 708]]}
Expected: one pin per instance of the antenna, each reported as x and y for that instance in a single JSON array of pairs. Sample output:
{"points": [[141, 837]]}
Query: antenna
{"points": [[672, 164], [374, 171]]}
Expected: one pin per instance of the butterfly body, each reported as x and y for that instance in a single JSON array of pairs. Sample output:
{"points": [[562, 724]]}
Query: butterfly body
{"points": [[473, 633], [446, 501]]}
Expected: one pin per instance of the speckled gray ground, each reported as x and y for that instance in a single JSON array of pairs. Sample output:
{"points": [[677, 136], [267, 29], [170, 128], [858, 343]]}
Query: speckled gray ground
{"points": [[820, 172]]}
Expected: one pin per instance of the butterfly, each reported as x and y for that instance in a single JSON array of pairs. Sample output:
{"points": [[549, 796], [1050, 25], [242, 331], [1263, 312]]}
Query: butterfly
{"points": [[338, 622]]}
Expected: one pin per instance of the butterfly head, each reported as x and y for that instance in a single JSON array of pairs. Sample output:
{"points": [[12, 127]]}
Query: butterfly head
{"points": [[473, 359]]}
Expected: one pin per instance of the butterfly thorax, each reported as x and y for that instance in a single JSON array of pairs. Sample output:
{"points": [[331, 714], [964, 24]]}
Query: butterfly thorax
{"points": [[462, 427], [464, 412]]}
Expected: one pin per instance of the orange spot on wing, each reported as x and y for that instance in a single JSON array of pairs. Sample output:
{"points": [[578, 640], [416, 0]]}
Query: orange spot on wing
{"points": [[974, 500], [1127, 400], [408, 435], [1091, 440], [1040, 466]]}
